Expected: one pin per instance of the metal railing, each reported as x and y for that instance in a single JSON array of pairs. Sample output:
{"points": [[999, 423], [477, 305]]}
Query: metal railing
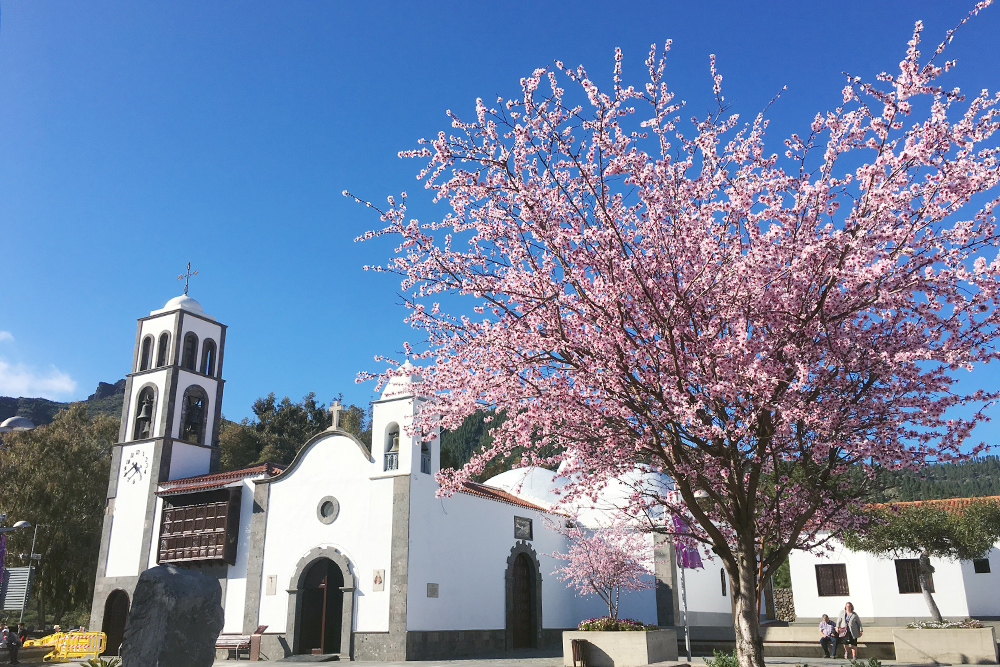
{"points": [[392, 461]]}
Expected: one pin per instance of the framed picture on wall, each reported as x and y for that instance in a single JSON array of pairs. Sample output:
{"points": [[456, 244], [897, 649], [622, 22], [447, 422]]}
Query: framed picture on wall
{"points": [[522, 528]]}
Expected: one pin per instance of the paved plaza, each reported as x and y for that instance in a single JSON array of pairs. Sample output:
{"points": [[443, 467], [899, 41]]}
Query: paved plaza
{"points": [[531, 660]]}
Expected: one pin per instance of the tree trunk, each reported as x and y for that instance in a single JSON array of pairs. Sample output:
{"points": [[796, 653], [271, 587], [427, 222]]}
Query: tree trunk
{"points": [[749, 647], [926, 570]]}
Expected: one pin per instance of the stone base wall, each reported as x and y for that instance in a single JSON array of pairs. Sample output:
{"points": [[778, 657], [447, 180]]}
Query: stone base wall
{"points": [[952, 646], [421, 645], [371, 646], [375, 646], [784, 604]]}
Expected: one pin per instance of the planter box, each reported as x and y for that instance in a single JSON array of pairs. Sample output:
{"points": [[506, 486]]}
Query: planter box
{"points": [[957, 646], [622, 649]]}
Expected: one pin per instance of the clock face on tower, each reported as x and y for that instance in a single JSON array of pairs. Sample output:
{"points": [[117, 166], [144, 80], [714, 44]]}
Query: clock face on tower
{"points": [[136, 467]]}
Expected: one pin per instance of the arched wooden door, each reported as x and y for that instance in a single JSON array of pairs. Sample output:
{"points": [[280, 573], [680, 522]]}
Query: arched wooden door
{"points": [[322, 609], [523, 607], [115, 614]]}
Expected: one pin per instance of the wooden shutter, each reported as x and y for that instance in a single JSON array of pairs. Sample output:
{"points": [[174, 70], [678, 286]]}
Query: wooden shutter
{"points": [[908, 576], [832, 580]]}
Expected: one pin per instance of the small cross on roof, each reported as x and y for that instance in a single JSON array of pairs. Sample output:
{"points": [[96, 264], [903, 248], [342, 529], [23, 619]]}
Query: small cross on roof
{"points": [[335, 409]]}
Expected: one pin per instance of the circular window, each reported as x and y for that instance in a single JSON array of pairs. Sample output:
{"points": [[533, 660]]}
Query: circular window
{"points": [[328, 509]]}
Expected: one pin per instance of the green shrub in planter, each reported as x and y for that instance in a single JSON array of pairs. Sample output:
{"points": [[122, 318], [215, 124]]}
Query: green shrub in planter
{"points": [[722, 659], [872, 662]]}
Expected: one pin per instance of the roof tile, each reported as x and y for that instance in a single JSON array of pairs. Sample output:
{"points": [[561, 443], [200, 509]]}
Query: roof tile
{"points": [[217, 480]]}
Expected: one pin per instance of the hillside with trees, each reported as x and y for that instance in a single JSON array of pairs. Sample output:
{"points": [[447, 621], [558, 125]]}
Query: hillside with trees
{"points": [[56, 477], [973, 478]]}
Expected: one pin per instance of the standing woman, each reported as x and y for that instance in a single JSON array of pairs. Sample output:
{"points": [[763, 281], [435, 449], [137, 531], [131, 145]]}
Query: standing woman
{"points": [[850, 623]]}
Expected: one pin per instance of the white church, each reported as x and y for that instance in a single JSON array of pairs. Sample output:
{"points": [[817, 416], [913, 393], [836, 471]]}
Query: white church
{"points": [[346, 550]]}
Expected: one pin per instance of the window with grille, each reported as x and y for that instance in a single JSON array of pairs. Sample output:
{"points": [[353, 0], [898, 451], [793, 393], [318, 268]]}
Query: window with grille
{"points": [[908, 576], [832, 579], [200, 527], [981, 565]]}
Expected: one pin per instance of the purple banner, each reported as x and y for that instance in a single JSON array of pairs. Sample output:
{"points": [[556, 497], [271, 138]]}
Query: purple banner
{"points": [[3, 553], [687, 557]]}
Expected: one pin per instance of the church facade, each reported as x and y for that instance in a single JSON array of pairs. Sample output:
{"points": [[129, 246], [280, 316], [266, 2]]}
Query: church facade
{"points": [[347, 549]]}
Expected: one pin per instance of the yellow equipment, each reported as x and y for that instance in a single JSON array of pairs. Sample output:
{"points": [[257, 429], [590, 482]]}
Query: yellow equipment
{"points": [[71, 645]]}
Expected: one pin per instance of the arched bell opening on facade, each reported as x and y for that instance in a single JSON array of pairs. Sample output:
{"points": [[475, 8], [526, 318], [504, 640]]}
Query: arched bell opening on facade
{"points": [[146, 357], [113, 625], [163, 350], [143, 428], [194, 415], [392, 447], [208, 357], [321, 612], [190, 354]]}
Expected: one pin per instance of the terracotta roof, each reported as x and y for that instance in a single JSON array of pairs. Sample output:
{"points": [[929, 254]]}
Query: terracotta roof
{"points": [[218, 480], [493, 493], [949, 504]]}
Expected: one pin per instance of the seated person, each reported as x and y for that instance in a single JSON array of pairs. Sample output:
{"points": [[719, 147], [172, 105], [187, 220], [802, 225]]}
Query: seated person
{"points": [[828, 637]]}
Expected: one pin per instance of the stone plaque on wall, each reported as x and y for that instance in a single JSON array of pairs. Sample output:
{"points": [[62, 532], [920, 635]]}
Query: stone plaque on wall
{"points": [[522, 528], [432, 590], [272, 585], [378, 580]]}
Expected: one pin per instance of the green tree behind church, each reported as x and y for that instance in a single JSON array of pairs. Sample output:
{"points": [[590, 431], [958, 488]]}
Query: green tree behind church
{"points": [[56, 477], [280, 428]]}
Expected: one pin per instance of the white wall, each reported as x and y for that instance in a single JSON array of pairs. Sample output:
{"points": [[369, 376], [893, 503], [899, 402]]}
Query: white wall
{"points": [[706, 603], [982, 590], [462, 543], [873, 588], [236, 574], [333, 466], [189, 460], [129, 516]]}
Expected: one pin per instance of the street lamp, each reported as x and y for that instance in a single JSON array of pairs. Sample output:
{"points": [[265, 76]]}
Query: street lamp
{"points": [[7, 529]]}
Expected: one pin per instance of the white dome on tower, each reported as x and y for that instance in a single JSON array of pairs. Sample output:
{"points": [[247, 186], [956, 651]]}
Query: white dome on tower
{"points": [[399, 385], [183, 302]]}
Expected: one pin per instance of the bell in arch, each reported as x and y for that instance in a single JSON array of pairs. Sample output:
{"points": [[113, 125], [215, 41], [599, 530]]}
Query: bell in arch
{"points": [[146, 409], [395, 441]]}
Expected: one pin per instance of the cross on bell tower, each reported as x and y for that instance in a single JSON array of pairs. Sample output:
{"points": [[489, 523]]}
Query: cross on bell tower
{"points": [[186, 277]]}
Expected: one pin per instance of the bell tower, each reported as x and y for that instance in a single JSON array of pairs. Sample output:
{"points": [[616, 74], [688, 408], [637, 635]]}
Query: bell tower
{"points": [[169, 430]]}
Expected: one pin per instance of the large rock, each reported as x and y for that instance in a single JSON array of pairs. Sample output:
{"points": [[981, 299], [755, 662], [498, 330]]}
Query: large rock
{"points": [[175, 619]]}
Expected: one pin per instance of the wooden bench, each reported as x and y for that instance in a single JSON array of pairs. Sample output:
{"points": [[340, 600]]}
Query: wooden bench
{"points": [[242, 643], [234, 643]]}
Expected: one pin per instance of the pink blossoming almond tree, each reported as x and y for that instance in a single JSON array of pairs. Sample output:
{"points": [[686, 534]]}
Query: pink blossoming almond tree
{"points": [[763, 328], [605, 561]]}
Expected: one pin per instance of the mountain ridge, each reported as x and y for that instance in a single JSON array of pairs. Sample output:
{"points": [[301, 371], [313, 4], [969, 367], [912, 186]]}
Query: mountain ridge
{"points": [[106, 399]]}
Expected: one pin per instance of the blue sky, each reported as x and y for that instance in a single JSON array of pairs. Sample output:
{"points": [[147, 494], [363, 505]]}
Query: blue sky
{"points": [[135, 136]]}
